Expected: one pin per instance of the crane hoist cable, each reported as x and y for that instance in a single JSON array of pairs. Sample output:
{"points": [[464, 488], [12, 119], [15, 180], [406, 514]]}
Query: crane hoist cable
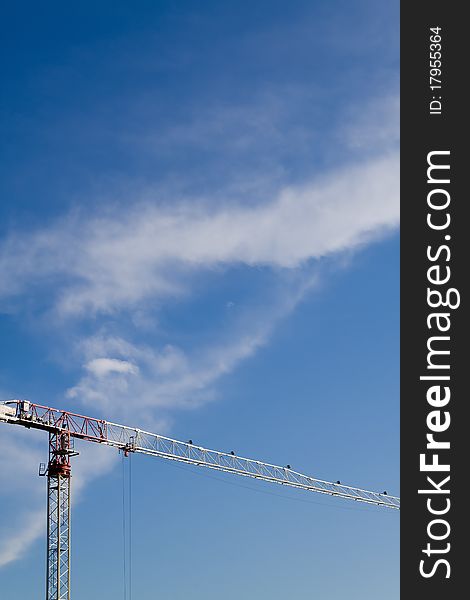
{"points": [[130, 525], [124, 545], [126, 476]]}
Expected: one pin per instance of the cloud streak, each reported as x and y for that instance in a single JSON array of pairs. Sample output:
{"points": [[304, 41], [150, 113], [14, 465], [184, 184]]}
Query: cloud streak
{"points": [[27, 522], [111, 262], [168, 377], [16, 542]]}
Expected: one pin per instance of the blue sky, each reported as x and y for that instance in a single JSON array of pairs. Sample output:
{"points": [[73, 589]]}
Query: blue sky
{"points": [[199, 236]]}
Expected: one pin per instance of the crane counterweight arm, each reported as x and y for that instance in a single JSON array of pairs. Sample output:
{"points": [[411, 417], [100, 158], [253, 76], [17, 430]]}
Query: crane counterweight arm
{"points": [[129, 439]]}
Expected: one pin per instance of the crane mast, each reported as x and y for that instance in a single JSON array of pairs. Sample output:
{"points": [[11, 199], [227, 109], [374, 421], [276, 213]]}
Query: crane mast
{"points": [[58, 474], [65, 426]]}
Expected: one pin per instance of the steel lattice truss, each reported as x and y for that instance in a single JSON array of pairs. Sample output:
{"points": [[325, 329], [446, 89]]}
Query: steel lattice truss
{"points": [[58, 538], [156, 445], [130, 439]]}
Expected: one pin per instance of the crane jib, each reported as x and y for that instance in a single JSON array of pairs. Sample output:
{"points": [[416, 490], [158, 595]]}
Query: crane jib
{"points": [[128, 439]]}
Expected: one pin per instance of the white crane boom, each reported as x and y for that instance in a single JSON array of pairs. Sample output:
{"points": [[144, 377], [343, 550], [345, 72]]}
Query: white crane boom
{"points": [[129, 439]]}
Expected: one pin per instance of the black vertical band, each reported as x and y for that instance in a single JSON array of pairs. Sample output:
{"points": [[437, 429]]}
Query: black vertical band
{"points": [[434, 269]]}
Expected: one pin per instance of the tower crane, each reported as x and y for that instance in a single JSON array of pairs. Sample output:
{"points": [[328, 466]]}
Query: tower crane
{"points": [[64, 427]]}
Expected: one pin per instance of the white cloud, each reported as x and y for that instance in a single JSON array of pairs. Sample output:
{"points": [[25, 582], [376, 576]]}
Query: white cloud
{"points": [[31, 526], [100, 367], [20, 453], [168, 377], [107, 263]]}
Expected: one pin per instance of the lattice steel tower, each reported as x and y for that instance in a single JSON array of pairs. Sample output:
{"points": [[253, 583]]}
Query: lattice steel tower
{"points": [[58, 474]]}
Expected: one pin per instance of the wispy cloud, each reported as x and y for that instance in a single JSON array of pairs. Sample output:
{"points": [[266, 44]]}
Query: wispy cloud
{"points": [[21, 452], [103, 367], [120, 375], [110, 262], [19, 460], [22, 535]]}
